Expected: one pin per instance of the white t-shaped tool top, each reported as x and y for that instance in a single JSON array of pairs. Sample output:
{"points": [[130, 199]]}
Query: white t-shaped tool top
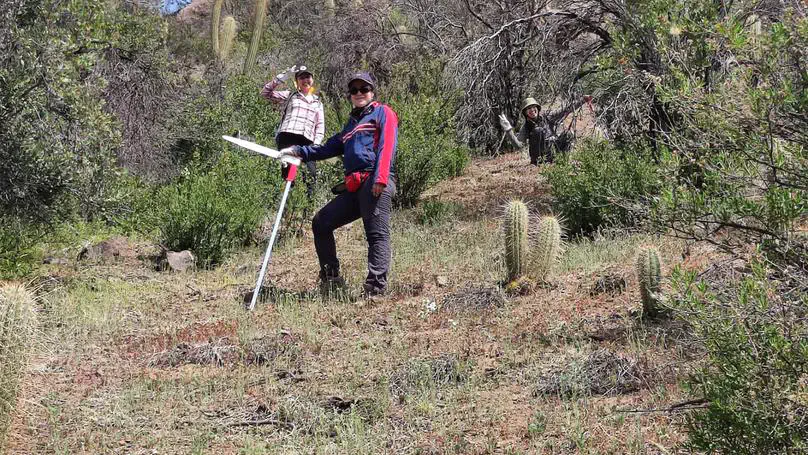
{"points": [[272, 153]]}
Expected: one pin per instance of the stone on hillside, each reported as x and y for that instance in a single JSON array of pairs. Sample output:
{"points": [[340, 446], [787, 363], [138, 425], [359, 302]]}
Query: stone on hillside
{"points": [[177, 261], [196, 13], [110, 249], [442, 281]]}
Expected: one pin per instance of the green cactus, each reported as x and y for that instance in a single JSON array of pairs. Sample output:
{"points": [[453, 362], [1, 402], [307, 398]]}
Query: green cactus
{"points": [[17, 327], [649, 278], [260, 12], [330, 6], [215, 18], [546, 247], [515, 224], [228, 37]]}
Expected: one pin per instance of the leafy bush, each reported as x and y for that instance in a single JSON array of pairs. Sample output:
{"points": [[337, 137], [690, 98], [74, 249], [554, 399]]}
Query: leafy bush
{"points": [[435, 211], [427, 150], [755, 378], [751, 182], [600, 186], [17, 326], [17, 253], [212, 212]]}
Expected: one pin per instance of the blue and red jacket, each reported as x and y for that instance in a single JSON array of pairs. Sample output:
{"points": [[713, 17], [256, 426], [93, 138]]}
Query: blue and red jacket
{"points": [[368, 143]]}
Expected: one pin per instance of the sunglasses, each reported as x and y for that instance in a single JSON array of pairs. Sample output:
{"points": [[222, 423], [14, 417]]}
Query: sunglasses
{"points": [[364, 89]]}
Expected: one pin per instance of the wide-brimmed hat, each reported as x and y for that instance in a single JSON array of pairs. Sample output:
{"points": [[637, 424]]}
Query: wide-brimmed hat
{"points": [[363, 76], [529, 102]]}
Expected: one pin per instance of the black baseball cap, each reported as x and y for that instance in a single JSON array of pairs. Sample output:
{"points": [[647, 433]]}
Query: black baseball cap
{"points": [[363, 76], [301, 70]]}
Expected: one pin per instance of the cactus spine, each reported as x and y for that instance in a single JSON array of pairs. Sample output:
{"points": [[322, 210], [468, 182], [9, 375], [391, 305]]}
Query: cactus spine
{"points": [[215, 18], [516, 239], [17, 327], [649, 278], [260, 11], [547, 247], [228, 37]]}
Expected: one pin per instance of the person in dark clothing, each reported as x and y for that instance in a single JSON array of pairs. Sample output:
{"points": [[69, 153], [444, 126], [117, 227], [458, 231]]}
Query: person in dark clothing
{"points": [[540, 129], [368, 144]]}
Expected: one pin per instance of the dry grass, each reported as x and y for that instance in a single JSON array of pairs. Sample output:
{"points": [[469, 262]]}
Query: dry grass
{"points": [[144, 362], [17, 328]]}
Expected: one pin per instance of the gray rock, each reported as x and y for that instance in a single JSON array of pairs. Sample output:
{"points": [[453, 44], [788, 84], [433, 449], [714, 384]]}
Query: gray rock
{"points": [[179, 261]]}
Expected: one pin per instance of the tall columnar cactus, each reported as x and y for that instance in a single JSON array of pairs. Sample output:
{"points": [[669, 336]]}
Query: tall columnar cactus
{"points": [[514, 225], [330, 6], [228, 37], [649, 278], [17, 326], [260, 11], [546, 247], [215, 18]]}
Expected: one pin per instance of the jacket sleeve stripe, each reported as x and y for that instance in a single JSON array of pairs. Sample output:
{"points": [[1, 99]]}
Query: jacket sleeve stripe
{"points": [[387, 143]]}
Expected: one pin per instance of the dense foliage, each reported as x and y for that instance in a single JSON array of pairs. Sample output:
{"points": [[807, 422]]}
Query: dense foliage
{"points": [[603, 186], [754, 380]]}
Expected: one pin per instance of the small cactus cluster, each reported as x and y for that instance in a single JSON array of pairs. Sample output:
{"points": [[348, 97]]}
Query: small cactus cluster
{"points": [[649, 277], [222, 33], [515, 225], [529, 255], [547, 247]]}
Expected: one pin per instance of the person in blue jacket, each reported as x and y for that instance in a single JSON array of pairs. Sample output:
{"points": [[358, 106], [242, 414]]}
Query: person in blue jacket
{"points": [[368, 146]]}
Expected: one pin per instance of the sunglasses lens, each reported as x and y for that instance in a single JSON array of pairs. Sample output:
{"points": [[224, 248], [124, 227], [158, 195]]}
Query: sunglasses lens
{"points": [[355, 90]]}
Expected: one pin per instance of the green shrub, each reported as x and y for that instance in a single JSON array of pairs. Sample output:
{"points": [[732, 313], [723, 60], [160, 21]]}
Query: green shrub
{"points": [[427, 151], [17, 252], [601, 186], [435, 211], [755, 377], [17, 326], [212, 212]]}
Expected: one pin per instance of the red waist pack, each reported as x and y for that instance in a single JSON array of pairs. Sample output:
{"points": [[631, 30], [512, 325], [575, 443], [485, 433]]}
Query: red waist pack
{"points": [[354, 180]]}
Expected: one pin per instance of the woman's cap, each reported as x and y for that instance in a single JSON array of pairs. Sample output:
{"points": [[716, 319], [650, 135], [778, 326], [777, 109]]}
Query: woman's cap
{"points": [[301, 70], [363, 76]]}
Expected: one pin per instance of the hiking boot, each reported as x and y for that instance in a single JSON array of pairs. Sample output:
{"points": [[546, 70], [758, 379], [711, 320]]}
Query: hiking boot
{"points": [[331, 282], [332, 285], [370, 290]]}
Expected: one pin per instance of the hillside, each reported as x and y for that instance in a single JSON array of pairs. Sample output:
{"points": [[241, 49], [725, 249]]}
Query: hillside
{"points": [[137, 361], [671, 141]]}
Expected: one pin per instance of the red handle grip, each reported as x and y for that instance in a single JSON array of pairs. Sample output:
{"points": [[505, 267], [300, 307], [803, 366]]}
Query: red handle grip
{"points": [[290, 176]]}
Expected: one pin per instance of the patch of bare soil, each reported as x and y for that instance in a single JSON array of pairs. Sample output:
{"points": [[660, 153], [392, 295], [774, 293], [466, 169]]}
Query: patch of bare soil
{"points": [[198, 332], [487, 184]]}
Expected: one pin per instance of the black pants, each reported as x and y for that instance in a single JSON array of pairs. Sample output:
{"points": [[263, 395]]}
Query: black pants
{"points": [[540, 153], [375, 214], [284, 140]]}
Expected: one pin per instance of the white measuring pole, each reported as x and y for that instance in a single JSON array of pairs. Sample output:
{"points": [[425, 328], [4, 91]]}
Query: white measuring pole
{"points": [[293, 163], [268, 254]]}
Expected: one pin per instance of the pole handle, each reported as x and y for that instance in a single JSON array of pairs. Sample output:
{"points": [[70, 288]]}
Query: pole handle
{"points": [[292, 174]]}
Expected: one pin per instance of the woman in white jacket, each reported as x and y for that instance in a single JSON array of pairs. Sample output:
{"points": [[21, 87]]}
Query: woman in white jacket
{"points": [[302, 118]]}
